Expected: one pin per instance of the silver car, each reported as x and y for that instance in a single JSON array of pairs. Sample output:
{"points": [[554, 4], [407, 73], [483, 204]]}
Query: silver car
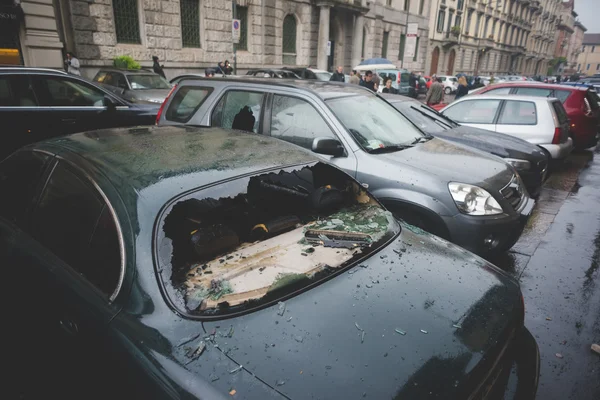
{"points": [[136, 86], [539, 120]]}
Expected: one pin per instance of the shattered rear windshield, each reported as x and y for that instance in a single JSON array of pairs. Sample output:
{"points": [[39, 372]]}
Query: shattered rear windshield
{"points": [[253, 240]]}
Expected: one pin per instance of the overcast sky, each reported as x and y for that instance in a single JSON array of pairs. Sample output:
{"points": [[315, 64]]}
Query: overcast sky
{"points": [[588, 14]]}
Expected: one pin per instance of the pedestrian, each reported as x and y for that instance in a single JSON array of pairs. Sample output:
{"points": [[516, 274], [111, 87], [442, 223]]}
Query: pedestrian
{"points": [[368, 81], [557, 78], [338, 75], [388, 87], [72, 64], [431, 80], [209, 73], [228, 68], [491, 78], [354, 77], [157, 68], [412, 83], [477, 84], [376, 81], [435, 95], [220, 68], [463, 89]]}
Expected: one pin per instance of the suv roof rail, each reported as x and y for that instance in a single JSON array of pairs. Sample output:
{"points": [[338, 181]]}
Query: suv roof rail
{"points": [[22, 68]]}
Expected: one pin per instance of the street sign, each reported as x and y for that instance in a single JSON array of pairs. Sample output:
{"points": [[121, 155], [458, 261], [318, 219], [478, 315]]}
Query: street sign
{"points": [[235, 30], [328, 47], [411, 41]]}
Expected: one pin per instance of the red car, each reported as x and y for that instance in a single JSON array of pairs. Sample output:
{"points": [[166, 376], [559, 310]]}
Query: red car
{"points": [[581, 104]]}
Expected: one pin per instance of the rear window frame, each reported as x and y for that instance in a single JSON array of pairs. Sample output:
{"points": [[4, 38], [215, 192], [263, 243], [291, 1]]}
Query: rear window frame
{"points": [[176, 302], [503, 107], [191, 115]]}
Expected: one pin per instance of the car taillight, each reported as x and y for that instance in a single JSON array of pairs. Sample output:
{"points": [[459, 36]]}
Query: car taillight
{"points": [[556, 138], [162, 106]]}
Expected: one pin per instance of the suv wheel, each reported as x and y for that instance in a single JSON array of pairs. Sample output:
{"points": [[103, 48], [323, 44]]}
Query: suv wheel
{"points": [[447, 90]]}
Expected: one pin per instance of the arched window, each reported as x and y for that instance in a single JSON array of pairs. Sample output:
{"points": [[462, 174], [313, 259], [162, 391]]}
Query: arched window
{"points": [[289, 40]]}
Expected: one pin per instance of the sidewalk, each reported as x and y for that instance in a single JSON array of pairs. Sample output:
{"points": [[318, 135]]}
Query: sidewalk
{"points": [[557, 261]]}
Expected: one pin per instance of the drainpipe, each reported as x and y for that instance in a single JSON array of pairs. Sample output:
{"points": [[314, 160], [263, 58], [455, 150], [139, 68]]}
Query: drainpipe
{"points": [[262, 31]]}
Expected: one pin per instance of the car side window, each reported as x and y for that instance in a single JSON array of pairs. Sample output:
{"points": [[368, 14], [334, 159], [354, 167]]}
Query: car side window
{"points": [[16, 91], [518, 113], [74, 222], [562, 95], [62, 91], [238, 110], [539, 92], [185, 103], [474, 111], [504, 90], [19, 176], [296, 121], [119, 81], [100, 77]]}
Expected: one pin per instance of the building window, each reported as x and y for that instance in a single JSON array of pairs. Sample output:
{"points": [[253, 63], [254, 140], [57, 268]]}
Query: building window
{"points": [[450, 15], [402, 44], [477, 25], [289, 40], [468, 23], [598, 67], [460, 4], [388, 3], [472, 58], [416, 49], [364, 41], [462, 59], [242, 15], [440, 21], [127, 21], [457, 21], [588, 67], [593, 49], [190, 22], [406, 5], [578, 67], [384, 44], [421, 7], [485, 27], [583, 49]]}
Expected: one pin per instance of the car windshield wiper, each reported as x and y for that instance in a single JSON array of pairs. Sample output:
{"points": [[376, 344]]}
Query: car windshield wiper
{"points": [[439, 114], [421, 139], [389, 149]]}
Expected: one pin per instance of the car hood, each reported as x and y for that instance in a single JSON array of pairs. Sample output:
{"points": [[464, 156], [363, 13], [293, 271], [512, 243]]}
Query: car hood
{"points": [[498, 144], [422, 318], [450, 162], [148, 95]]}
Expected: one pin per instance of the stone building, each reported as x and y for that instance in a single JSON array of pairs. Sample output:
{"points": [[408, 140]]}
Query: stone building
{"points": [[588, 62], [189, 35], [480, 37]]}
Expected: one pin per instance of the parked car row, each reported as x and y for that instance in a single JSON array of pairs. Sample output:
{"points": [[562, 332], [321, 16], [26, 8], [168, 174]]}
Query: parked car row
{"points": [[190, 256]]}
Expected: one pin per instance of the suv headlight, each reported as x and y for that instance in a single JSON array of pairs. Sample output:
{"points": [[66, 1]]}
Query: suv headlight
{"points": [[473, 200], [518, 164]]}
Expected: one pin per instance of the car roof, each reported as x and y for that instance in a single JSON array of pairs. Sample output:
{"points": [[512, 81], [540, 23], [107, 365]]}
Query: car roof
{"points": [[537, 85], [508, 97], [395, 98], [177, 158], [324, 89], [129, 71], [13, 69], [318, 70]]}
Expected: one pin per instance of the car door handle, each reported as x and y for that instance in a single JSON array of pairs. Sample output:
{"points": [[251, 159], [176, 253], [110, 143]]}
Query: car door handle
{"points": [[69, 327], [68, 121]]}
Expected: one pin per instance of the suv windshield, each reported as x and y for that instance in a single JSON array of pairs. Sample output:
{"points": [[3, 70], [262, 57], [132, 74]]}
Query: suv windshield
{"points": [[150, 81], [253, 240], [373, 122]]}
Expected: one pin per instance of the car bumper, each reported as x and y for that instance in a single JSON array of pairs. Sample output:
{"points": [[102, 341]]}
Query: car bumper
{"points": [[484, 234], [559, 151], [527, 360]]}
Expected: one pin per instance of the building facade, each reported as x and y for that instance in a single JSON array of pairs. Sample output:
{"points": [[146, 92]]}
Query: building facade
{"points": [[480, 37], [588, 62], [190, 35]]}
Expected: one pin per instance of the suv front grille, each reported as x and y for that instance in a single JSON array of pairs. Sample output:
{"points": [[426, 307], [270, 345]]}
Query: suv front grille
{"points": [[513, 192]]}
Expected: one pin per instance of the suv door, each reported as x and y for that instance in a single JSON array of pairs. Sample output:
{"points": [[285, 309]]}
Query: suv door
{"points": [[75, 105], [70, 259], [239, 109], [23, 121]]}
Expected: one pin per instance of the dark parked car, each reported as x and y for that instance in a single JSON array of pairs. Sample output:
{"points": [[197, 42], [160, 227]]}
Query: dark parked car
{"points": [[272, 73], [529, 160], [468, 197], [186, 263], [37, 104], [136, 86], [581, 104]]}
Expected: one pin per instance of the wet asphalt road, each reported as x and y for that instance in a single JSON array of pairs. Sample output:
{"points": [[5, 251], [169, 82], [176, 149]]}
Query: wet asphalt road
{"points": [[557, 260]]}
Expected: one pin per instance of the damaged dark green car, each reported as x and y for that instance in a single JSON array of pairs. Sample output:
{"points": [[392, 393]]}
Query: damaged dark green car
{"points": [[192, 263]]}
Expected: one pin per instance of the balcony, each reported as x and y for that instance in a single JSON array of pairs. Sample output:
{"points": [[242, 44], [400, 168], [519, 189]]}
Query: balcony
{"points": [[488, 43], [450, 39]]}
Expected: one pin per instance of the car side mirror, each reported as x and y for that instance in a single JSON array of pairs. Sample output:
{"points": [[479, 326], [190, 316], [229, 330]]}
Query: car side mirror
{"points": [[331, 147], [109, 104]]}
